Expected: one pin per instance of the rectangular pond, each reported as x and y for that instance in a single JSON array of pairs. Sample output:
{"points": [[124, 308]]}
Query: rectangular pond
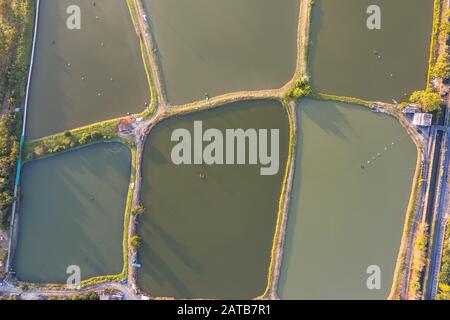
{"points": [[349, 59], [221, 46], [88, 75], [352, 184], [72, 213], [208, 230]]}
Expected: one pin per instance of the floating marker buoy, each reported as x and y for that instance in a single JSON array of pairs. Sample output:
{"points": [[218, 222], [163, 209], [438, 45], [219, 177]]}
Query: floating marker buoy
{"points": [[99, 94]]}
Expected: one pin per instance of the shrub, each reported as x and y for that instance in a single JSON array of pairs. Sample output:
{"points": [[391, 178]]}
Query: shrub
{"points": [[135, 243], [301, 89], [427, 99]]}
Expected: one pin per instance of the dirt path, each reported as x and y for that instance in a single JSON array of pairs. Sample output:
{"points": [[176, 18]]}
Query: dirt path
{"points": [[34, 294]]}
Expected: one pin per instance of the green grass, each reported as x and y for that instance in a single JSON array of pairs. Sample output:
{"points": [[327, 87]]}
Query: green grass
{"points": [[56, 143]]}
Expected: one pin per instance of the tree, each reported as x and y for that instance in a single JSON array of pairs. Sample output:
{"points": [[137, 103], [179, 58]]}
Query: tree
{"points": [[135, 243], [301, 89], [427, 99], [441, 69], [138, 210]]}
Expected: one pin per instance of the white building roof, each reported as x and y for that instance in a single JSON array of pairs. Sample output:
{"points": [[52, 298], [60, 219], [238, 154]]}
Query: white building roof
{"points": [[412, 108], [422, 119]]}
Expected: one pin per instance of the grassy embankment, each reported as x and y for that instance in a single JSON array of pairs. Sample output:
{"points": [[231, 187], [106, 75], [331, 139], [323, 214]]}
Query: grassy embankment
{"points": [[444, 275], [153, 96], [282, 199]]}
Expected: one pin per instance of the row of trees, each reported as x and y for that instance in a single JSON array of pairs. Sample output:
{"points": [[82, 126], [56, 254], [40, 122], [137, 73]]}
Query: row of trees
{"points": [[444, 276], [16, 26], [15, 30], [66, 142], [9, 152]]}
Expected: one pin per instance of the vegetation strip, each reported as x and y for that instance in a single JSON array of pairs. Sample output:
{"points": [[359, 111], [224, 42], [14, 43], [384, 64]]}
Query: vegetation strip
{"points": [[22, 138]]}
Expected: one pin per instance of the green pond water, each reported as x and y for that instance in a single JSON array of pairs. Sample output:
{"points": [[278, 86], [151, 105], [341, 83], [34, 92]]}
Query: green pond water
{"points": [[346, 214], [211, 237], [72, 213], [87, 75], [348, 59], [221, 46]]}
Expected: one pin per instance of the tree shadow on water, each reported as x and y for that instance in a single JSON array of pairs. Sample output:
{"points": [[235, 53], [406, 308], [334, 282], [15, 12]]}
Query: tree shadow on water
{"points": [[327, 115]]}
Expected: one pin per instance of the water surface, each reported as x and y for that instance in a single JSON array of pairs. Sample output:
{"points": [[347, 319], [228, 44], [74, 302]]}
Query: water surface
{"points": [[212, 237], [72, 213], [346, 214], [221, 46], [87, 75], [348, 59]]}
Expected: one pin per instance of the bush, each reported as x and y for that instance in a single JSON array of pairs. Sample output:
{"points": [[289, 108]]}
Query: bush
{"points": [[135, 243], [301, 89], [138, 210], [429, 101], [441, 69], [9, 152]]}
